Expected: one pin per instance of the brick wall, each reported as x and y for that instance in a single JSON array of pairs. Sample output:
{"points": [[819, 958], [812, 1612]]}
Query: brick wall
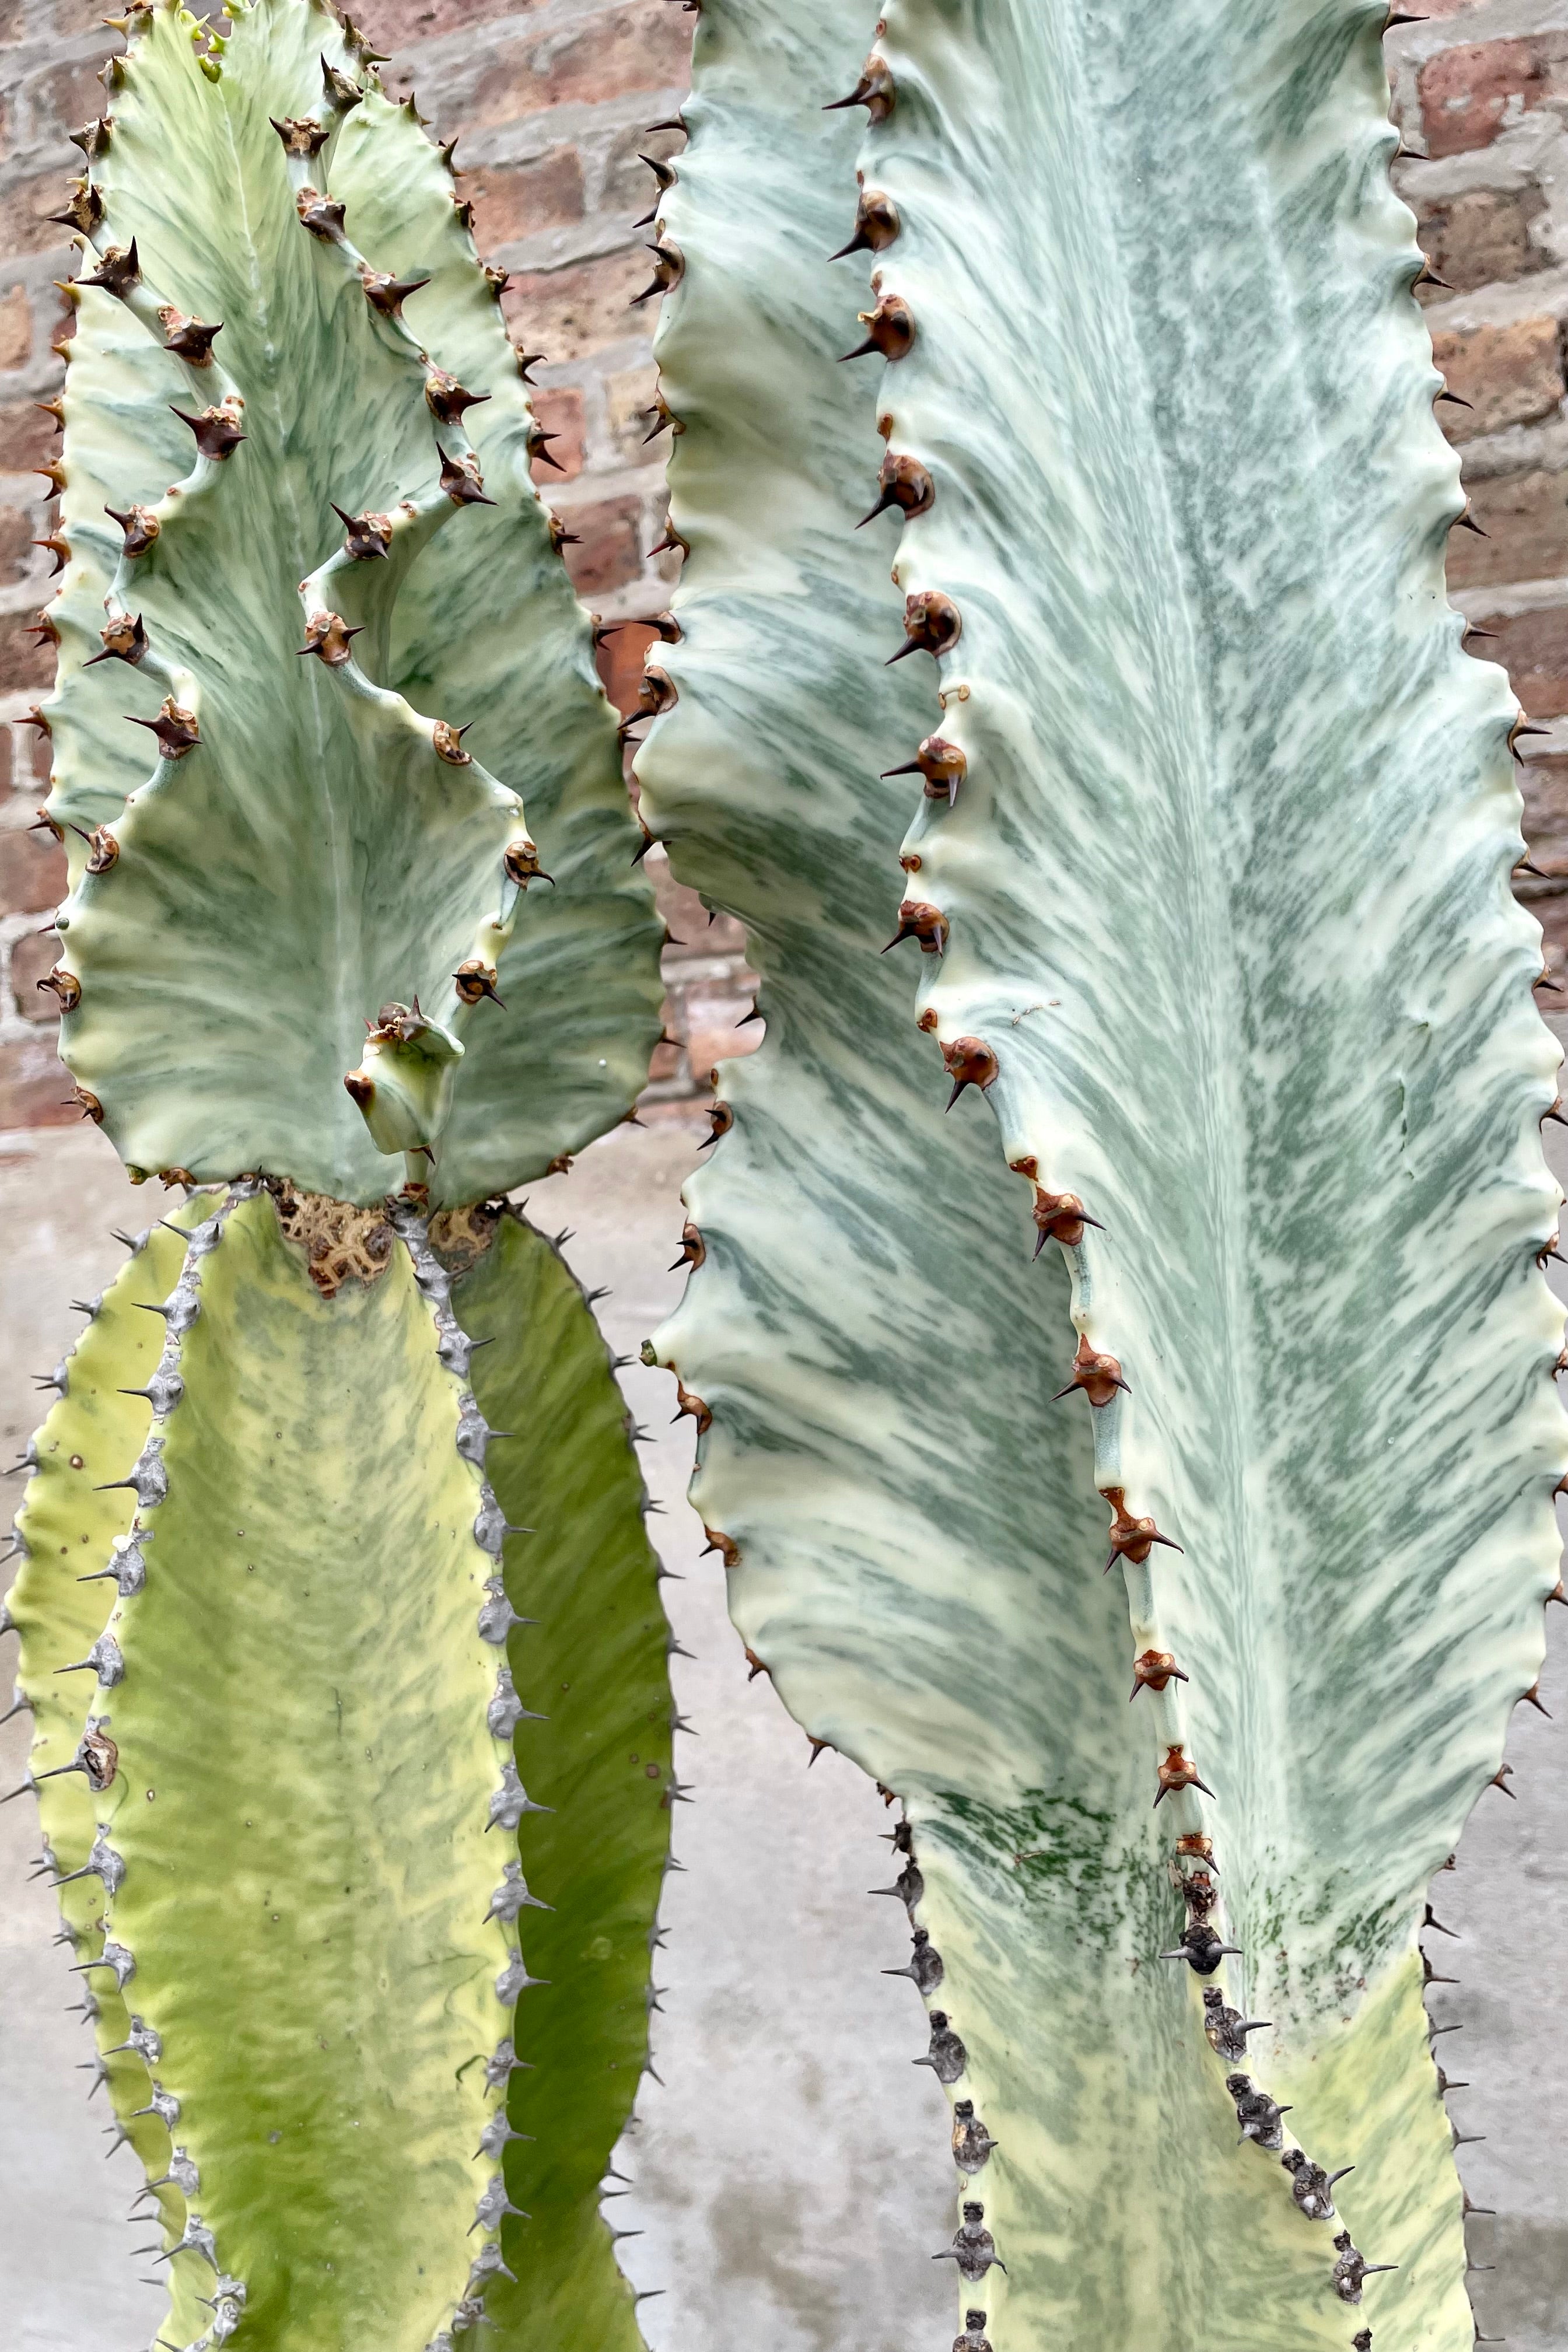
{"points": [[552, 98], [1480, 96]]}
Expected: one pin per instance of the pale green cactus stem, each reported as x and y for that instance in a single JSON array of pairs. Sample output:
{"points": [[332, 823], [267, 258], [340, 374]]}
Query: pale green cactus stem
{"points": [[338, 1806], [1210, 866], [406, 1080], [404, 1086], [198, 931]]}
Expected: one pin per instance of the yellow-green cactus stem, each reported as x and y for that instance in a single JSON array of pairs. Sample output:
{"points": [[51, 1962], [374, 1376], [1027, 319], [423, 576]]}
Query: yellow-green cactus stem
{"points": [[73, 1532], [358, 1790]]}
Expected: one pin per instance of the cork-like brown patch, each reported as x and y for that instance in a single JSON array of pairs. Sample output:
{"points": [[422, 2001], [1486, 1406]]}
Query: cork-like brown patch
{"points": [[341, 1243], [460, 1237]]}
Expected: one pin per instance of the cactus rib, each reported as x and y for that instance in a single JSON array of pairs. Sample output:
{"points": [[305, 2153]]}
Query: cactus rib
{"points": [[74, 1529], [593, 1747]]}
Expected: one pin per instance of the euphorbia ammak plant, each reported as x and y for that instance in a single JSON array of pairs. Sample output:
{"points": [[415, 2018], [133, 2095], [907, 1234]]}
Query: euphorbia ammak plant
{"points": [[1206, 822], [338, 1617], [1205, 847]]}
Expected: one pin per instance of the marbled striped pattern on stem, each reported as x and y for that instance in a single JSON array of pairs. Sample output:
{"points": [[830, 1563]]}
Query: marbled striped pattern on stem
{"points": [[1225, 895]]}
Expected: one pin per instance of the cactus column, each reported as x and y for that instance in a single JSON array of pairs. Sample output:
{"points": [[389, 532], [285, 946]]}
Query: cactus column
{"points": [[338, 1501], [1213, 822]]}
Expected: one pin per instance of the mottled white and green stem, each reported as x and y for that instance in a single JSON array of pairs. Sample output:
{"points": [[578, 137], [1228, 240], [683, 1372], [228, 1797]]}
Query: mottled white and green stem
{"points": [[1209, 875], [334, 826]]}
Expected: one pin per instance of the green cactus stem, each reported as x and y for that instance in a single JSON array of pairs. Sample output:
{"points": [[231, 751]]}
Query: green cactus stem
{"points": [[1208, 871], [73, 1531], [595, 1752], [328, 614], [324, 1896]]}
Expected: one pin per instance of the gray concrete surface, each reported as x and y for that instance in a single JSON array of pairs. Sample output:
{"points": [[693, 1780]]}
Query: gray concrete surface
{"points": [[788, 2100], [788, 2094]]}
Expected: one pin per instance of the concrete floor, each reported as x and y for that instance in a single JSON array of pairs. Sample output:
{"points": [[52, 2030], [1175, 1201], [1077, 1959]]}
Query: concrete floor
{"points": [[774, 2007]]}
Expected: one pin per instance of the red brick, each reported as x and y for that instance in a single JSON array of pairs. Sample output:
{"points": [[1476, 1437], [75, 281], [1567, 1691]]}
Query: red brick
{"points": [[707, 1017], [35, 1087], [513, 200], [17, 532], [628, 397], [570, 312], [1533, 649], [1478, 237], [1467, 93], [25, 209], [1544, 784], [27, 436], [666, 1056], [1525, 517], [610, 550], [24, 665], [684, 914], [15, 328], [646, 46], [1509, 374], [1552, 914], [693, 932], [20, 770], [559, 410], [393, 23], [30, 958], [32, 872], [620, 658], [629, 186]]}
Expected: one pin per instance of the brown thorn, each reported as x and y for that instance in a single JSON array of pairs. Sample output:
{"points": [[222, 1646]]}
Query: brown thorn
{"points": [[874, 90], [970, 1063], [1154, 1669], [1098, 1375]]}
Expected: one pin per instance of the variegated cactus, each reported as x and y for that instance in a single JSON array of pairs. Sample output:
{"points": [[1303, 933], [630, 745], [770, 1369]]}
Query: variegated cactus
{"points": [[1208, 874], [347, 603], [1207, 860], [338, 1615]]}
